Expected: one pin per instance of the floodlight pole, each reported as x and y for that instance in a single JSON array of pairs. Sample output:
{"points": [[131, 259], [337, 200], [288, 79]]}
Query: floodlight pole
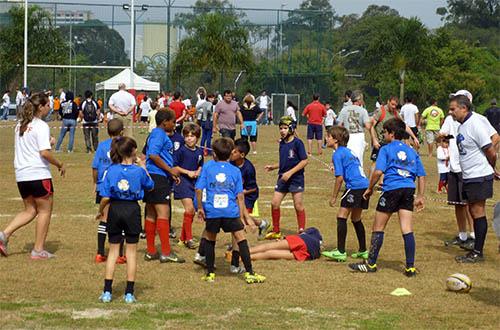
{"points": [[132, 42], [25, 74]]}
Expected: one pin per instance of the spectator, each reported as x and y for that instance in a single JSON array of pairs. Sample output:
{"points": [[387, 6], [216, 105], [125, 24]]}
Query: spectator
{"points": [[21, 97], [90, 113], [264, 102], [291, 109], [434, 118], [69, 114], [207, 109], [493, 115], [347, 98], [57, 107], [145, 108], [51, 102], [122, 105], [5, 105], [180, 111], [251, 114], [409, 114], [225, 114], [330, 120], [315, 112]]}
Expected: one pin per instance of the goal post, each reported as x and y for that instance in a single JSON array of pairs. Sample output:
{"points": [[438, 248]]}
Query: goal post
{"points": [[279, 105]]}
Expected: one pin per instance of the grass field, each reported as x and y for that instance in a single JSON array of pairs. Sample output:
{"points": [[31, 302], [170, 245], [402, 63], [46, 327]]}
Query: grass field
{"points": [[63, 292]]}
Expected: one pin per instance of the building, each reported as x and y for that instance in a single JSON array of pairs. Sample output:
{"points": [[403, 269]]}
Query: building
{"points": [[64, 17], [154, 40]]}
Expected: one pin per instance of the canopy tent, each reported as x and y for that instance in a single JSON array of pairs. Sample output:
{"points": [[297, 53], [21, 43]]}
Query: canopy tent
{"points": [[138, 83]]}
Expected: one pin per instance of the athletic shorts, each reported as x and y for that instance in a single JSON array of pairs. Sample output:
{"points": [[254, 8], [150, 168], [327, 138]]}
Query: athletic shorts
{"points": [[443, 177], [98, 198], [250, 203], [228, 133], [314, 131], [298, 247], [252, 138], [353, 199], [251, 128], [185, 189], [36, 188], [124, 217], [415, 131], [293, 185], [228, 225], [144, 119], [375, 151], [430, 136], [456, 189], [478, 191], [161, 191], [398, 199]]}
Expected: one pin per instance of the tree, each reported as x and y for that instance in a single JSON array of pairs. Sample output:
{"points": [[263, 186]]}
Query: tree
{"points": [[478, 13]]}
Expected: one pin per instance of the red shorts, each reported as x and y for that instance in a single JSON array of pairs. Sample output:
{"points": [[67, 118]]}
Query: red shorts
{"points": [[298, 247]]}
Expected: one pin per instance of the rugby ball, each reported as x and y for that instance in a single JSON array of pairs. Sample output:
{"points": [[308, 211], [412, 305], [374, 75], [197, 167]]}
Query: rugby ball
{"points": [[458, 283]]}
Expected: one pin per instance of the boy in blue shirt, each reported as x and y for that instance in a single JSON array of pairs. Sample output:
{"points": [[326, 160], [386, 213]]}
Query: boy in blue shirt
{"points": [[293, 160], [347, 168], [219, 193], [400, 165]]}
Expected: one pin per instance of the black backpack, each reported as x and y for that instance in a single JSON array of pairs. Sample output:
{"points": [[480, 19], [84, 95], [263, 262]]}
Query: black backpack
{"points": [[90, 112]]}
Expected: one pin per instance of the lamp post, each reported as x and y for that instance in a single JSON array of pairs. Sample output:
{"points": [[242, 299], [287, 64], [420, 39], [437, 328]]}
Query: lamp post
{"points": [[169, 6], [132, 10]]}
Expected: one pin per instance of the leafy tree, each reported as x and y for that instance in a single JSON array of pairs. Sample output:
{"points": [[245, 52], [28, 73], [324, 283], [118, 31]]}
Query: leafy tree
{"points": [[477, 13]]}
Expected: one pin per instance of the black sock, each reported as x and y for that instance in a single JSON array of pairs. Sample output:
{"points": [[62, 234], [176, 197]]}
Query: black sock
{"points": [[376, 245], [101, 237], [202, 247], [245, 256], [235, 258], [108, 286], [480, 230], [360, 233], [409, 240], [130, 287], [121, 246], [341, 234], [210, 254]]}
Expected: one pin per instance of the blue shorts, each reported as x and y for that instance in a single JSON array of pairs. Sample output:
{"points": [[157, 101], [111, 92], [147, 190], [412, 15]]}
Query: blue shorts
{"points": [[293, 185], [249, 203], [251, 128], [185, 189], [314, 131]]}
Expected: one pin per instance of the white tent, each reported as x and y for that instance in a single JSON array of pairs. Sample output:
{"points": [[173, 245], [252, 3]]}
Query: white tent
{"points": [[138, 83]]}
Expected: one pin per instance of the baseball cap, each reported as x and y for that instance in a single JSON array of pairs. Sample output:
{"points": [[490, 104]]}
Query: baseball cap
{"points": [[463, 92]]}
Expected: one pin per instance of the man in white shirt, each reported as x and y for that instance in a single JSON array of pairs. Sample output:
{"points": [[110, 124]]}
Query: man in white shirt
{"points": [[409, 114], [264, 103], [5, 105], [122, 105], [20, 100]]}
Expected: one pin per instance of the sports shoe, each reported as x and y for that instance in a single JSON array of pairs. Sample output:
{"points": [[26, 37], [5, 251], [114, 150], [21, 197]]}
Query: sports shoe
{"points": [[99, 258], [129, 298], [209, 277], [121, 260], [272, 235], [360, 255], [3, 244], [454, 241], [254, 278], [151, 257], [200, 260], [172, 257], [468, 245], [470, 258], [236, 270], [172, 233], [410, 272], [191, 244], [363, 267], [42, 255], [264, 228], [142, 235], [105, 297], [335, 255]]}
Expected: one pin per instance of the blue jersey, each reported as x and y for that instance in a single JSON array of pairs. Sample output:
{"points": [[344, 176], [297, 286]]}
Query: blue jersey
{"points": [[349, 167], [291, 153], [249, 178], [188, 159], [221, 183], [159, 144], [102, 160], [125, 182], [312, 238], [400, 164], [177, 140]]}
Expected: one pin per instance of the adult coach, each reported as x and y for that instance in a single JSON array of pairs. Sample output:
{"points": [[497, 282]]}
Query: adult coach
{"points": [[434, 117], [355, 119], [225, 115], [122, 105], [477, 157], [315, 112], [32, 161]]}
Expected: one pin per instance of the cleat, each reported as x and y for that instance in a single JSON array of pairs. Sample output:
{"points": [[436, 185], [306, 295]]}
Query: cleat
{"points": [[191, 244], [363, 267], [454, 241], [272, 235], [129, 298], [42, 255], [410, 272], [200, 260], [121, 260], [100, 258], [264, 228], [151, 257], [3, 244], [172, 233], [335, 255], [467, 245], [209, 277], [254, 278], [105, 297], [470, 258], [142, 235], [172, 257], [360, 255], [237, 270]]}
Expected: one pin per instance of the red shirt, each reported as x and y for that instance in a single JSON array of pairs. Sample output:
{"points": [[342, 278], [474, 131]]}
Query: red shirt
{"points": [[316, 112], [178, 107]]}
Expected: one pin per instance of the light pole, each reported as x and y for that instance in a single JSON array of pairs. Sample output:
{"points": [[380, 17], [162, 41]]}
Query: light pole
{"points": [[169, 6], [132, 10], [25, 73]]}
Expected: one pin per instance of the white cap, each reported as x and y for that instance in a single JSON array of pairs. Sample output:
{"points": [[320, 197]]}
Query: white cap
{"points": [[463, 92]]}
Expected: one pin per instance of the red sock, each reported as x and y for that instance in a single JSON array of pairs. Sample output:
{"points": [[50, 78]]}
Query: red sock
{"points": [[163, 228], [187, 226], [276, 219], [150, 229], [301, 219]]}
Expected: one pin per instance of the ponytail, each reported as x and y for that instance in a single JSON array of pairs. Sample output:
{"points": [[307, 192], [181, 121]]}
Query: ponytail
{"points": [[30, 109], [121, 148]]}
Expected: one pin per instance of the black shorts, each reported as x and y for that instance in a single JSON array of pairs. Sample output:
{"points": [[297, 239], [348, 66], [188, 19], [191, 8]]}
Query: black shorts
{"points": [[398, 199], [228, 133], [415, 131], [36, 188], [124, 217], [478, 191], [374, 154], [228, 225], [456, 189], [294, 185], [161, 191], [98, 198], [353, 199], [144, 119], [252, 138]]}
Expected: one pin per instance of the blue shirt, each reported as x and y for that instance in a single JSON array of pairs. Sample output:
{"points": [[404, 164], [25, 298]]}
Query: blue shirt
{"points": [[400, 164], [348, 166], [249, 178], [188, 159], [159, 144], [177, 140], [221, 183], [291, 153], [125, 182], [102, 160], [312, 238]]}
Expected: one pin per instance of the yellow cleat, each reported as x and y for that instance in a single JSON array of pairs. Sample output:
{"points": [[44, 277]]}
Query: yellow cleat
{"points": [[254, 278], [209, 277], [272, 235]]}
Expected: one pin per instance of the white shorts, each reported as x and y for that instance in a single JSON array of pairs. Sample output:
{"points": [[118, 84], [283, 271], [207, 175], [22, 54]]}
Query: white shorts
{"points": [[357, 145]]}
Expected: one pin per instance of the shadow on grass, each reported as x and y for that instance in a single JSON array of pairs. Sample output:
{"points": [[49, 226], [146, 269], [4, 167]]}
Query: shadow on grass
{"points": [[51, 246], [488, 296]]}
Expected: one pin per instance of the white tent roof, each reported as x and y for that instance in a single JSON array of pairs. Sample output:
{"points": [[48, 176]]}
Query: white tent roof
{"points": [[138, 83]]}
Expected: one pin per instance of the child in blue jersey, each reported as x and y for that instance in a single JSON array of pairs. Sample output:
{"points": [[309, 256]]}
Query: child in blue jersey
{"points": [[122, 186], [400, 165], [293, 160], [160, 165], [348, 169], [219, 193], [101, 162], [188, 161]]}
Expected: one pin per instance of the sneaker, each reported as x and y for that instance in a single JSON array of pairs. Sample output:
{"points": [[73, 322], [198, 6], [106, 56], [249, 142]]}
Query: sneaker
{"points": [[410, 272], [323, 146], [142, 235], [129, 298], [335, 255], [360, 255], [363, 267], [172, 233], [209, 277], [151, 257], [236, 270], [3, 244], [454, 241], [172, 257], [273, 235], [121, 260], [191, 244], [99, 258], [254, 278], [105, 297], [470, 258], [200, 260], [468, 245], [264, 228], [42, 255]]}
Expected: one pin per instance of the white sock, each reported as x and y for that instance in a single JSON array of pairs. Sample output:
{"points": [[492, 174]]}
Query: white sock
{"points": [[462, 235], [472, 235]]}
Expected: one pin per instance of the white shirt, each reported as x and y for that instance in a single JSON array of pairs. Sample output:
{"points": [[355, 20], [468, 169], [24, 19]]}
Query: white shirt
{"points": [[51, 101], [62, 97], [5, 100], [187, 103], [145, 108], [29, 165], [20, 98], [123, 101], [263, 102], [473, 135], [330, 117], [408, 112], [290, 111], [161, 102], [442, 162], [450, 127]]}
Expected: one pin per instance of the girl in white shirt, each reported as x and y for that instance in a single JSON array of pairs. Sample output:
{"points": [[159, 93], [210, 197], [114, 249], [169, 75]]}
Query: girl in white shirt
{"points": [[32, 167], [443, 163]]}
